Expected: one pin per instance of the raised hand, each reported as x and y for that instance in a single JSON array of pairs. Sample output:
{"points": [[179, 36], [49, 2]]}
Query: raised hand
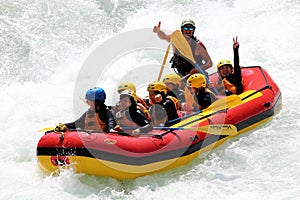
{"points": [[156, 29], [236, 44]]}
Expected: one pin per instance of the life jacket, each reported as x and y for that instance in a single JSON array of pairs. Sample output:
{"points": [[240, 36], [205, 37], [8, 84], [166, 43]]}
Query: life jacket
{"points": [[144, 110], [228, 83], [196, 105], [140, 106], [183, 65], [224, 85], [175, 101], [122, 119], [93, 122], [142, 102]]}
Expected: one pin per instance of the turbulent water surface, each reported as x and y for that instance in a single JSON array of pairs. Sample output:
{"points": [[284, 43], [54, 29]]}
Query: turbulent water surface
{"points": [[45, 43]]}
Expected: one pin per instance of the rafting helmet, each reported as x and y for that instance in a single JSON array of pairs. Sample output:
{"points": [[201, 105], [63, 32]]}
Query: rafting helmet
{"points": [[130, 94], [224, 62], [197, 81], [188, 21], [95, 94], [157, 86], [126, 86], [172, 78]]}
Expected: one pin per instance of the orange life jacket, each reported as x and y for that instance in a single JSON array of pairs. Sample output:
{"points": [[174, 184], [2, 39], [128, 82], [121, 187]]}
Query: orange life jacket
{"points": [[122, 119], [225, 85], [140, 106], [142, 102], [144, 110], [93, 122], [175, 101]]}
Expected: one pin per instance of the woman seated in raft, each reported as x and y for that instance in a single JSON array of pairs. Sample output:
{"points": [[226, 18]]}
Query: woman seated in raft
{"points": [[130, 116], [161, 109], [203, 97], [98, 117], [230, 80], [140, 101], [130, 86]]}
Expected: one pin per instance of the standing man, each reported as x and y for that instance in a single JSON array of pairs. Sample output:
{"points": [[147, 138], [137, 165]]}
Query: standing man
{"points": [[184, 66]]}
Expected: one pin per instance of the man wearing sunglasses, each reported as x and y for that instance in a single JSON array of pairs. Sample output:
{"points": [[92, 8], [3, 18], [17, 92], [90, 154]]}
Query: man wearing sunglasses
{"points": [[183, 66]]}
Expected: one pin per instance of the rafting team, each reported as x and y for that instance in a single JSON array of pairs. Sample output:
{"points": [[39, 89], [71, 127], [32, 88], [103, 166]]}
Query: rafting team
{"points": [[185, 91]]}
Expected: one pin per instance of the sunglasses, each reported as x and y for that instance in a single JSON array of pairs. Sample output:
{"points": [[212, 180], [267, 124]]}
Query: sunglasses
{"points": [[188, 28]]}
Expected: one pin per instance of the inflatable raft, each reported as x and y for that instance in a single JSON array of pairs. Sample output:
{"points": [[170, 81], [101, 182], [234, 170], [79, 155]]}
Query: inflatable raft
{"points": [[126, 157]]}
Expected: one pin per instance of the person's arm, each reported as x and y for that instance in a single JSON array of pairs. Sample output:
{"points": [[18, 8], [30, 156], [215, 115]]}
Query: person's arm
{"points": [[236, 64], [79, 123], [201, 50], [111, 120], [139, 118], [162, 35]]}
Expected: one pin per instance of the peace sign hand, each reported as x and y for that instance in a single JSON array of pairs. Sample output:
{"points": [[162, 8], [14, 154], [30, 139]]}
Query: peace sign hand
{"points": [[236, 44]]}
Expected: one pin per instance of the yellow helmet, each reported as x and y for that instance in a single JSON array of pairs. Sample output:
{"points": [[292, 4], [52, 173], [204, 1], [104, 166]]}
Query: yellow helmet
{"points": [[172, 78], [126, 86], [157, 86], [224, 62], [197, 81]]}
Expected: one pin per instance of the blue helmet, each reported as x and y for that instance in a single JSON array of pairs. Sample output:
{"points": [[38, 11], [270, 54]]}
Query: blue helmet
{"points": [[95, 94]]}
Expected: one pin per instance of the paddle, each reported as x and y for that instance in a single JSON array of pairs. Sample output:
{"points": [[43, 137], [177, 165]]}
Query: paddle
{"points": [[214, 129], [164, 63], [46, 129], [182, 45], [220, 104], [226, 102], [165, 58]]}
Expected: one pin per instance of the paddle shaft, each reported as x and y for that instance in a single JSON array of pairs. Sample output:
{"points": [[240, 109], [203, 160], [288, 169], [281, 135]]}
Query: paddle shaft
{"points": [[164, 63]]}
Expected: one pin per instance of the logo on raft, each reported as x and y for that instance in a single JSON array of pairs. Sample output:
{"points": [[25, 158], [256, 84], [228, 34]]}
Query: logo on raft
{"points": [[220, 127], [109, 141]]}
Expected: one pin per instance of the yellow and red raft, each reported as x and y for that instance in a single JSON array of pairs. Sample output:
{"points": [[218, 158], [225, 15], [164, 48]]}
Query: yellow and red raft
{"points": [[126, 157]]}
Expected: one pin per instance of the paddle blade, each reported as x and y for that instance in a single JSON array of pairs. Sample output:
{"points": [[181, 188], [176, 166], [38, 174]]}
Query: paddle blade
{"points": [[189, 98], [227, 102], [182, 45], [46, 129]]}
